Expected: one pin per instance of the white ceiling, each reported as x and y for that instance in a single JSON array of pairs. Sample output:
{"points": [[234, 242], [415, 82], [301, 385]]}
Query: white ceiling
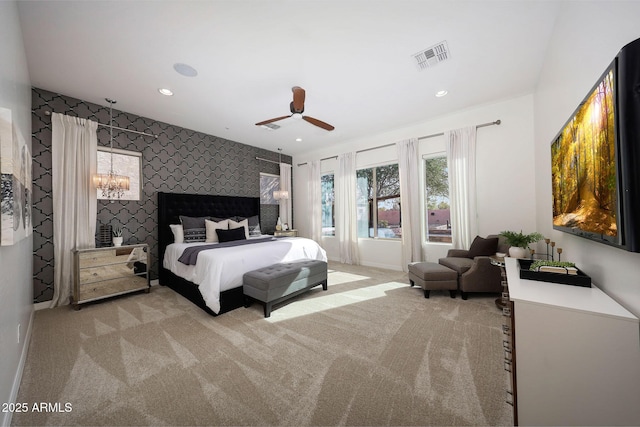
{"points": [[354, 58]]}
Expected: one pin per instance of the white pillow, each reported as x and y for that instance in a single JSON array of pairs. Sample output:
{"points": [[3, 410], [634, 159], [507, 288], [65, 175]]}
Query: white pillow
{"points": [[178, 234], [212, 226], [244, 223]]}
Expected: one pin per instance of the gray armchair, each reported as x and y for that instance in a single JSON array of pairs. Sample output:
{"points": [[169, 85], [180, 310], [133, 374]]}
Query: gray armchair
{"points": [[474, 268]]}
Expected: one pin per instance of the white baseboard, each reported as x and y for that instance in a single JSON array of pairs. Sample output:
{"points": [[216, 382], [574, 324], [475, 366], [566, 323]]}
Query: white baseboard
{"points": [[383, 266], [6, 421], [41, 305], [370, 264]]}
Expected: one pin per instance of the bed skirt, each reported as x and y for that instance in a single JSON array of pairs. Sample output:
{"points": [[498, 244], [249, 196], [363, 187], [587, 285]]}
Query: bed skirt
{"points": [[229, 299]]}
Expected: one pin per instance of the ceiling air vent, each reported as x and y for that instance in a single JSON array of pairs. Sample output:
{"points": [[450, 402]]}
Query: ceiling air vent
{"points": [[431, 56], [271, 126]]}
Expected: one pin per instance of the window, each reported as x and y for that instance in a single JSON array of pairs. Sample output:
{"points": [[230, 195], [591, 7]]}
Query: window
{"points": [[127, 163], [437, 199], [268, 184], [328, 204], [378, 199]]}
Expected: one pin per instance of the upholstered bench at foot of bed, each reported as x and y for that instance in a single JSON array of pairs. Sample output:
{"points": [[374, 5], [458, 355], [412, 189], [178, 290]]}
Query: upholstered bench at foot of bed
{"points": [[279, 282], [431, 276]]}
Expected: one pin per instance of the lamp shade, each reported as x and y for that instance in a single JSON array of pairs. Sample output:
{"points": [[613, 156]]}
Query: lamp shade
{"points": [[280, 194], [111, 185]]}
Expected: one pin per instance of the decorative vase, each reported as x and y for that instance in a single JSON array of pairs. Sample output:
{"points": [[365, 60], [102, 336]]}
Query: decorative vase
{"points": [[516, 252], [279, 224], [117, 241]]}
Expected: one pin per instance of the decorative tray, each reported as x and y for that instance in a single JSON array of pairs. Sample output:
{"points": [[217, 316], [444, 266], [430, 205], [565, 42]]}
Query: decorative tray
{"points": [[579, 279]]}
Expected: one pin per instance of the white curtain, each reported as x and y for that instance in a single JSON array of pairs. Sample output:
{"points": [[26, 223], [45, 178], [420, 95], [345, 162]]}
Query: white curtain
{"points": [[285, 185], [314, 201], [346, 218], [74, 157], [461, 158], [409, 201]]}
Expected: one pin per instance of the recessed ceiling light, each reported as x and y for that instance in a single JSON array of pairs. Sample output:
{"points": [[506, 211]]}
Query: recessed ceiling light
{"points": [[441, 93], [185, 70], [298, 139], [166, 92]]}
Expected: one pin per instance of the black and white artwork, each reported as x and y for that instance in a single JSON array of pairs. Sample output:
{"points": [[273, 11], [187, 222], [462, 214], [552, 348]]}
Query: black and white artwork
{"points": [[268, 184], [15, 170]]}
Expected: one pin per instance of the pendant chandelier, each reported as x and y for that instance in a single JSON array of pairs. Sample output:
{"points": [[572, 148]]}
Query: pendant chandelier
{"points": [[112, 185], [280, 194]]}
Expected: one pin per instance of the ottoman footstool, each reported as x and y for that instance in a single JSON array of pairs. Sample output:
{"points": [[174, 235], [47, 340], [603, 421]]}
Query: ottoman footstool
{"points": [[431, 277], [279, 282]]}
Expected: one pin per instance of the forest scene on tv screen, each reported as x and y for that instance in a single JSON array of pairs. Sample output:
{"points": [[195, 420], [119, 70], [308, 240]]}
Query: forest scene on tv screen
{"points": [[584, 178]]}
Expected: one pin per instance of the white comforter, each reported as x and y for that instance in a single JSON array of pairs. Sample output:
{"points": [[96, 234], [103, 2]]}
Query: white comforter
{"points": [[220, 269]]}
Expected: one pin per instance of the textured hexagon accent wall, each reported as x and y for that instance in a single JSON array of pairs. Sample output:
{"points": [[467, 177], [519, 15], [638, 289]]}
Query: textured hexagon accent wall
{"points": [[178, 160]]}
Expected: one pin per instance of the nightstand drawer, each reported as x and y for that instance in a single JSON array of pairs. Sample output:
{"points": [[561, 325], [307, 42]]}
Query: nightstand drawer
{"points": [[89, 259], [108, 288], [106, 272]]}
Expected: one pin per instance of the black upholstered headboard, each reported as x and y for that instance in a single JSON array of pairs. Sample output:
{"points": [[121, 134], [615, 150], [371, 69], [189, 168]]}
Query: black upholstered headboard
{"points": [[172, 205]]}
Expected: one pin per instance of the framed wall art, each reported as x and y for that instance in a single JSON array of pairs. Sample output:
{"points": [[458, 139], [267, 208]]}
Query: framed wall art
{"points": [[268, 184], [15, 171], [123, 162]]}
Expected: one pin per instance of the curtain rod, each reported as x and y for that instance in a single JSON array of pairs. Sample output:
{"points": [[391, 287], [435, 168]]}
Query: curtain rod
{"points": [[270, 161], [497, 122], [48, 113]]}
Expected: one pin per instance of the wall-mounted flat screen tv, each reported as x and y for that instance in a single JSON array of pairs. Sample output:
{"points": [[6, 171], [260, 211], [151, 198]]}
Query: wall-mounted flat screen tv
{"points": [[583, 166], [595, 158]]}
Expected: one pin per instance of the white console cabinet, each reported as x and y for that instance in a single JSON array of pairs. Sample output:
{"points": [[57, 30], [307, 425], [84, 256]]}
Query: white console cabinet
{"points": [[578, 355]]}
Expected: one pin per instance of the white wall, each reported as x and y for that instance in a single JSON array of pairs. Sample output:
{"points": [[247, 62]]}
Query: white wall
{"points": [[16, 288], [587, 37], [505, 174]]}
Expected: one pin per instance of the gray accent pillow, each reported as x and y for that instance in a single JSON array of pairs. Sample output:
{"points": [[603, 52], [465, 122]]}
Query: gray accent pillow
{"points": [[194, 229], [254, 225], [217, 219]]}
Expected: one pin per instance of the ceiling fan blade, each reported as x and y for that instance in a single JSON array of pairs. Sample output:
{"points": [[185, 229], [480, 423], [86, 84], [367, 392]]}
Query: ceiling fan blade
{"points": [[272, 120], [298, 99], [318, 123]]}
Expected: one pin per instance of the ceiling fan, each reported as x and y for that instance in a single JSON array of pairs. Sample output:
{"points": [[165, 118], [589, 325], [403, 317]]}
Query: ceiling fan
{"points": [[297, 108]]}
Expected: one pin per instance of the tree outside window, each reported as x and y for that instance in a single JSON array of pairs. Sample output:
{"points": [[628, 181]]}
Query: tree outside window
{"points": [[378, 202], [437, 200], [328, 204]]}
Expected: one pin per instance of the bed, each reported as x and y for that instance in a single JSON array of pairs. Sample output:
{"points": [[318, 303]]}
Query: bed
{"points": [[214, 283]]}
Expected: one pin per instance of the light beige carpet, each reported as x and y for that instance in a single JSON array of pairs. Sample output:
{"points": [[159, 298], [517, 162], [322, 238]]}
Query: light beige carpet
{"points": [[369, 351]]}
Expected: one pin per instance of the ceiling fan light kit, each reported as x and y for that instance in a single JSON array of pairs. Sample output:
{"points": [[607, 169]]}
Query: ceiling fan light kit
{"points": [[297, 108]]}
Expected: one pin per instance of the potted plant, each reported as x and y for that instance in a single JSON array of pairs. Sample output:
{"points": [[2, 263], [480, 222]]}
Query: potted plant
{"points": [[117, 236], [520, 242]]}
